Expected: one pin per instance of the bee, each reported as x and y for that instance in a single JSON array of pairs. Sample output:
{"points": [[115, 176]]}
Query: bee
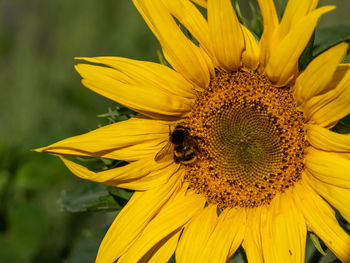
{"points": [[180, 147]]}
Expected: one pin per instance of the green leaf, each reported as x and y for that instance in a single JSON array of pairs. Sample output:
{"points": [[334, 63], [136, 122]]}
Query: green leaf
{"points": [[329, 258], [240, 17], [256, 24], [317, 243], [307, 55], [280, 7], [118, 192], [347, 58], [161, 58], [88, 196], [172, 259], [343, 126], [121, 196], [97, 164], [342, 222], [328, 37], [117, 113], [239, 256]]}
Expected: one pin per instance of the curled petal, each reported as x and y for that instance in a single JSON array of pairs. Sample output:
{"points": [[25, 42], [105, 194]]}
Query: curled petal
{"points": [[226, 236], [174, 215], [320, 218], [196, 235], [185, 57], [338, 197], [328, 108], [132, 220], [282, 65], [129, 140], [226, 34], [141, 175], [151, 100], [283, 231], [317, 76]]}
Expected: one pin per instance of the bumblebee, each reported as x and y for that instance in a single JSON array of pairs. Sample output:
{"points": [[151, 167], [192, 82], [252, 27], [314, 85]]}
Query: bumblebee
{"points": [[179, 147]]}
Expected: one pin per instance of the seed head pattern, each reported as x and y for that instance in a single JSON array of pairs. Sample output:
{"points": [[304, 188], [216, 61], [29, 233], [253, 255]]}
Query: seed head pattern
{"points": [[250, 140]]}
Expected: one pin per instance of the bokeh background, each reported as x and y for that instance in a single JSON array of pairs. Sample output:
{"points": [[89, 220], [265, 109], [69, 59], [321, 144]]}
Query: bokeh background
{"points": [[42, 101]]}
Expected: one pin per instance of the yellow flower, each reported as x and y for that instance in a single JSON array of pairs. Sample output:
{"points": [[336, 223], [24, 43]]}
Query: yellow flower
{"points": [[266, 168]]}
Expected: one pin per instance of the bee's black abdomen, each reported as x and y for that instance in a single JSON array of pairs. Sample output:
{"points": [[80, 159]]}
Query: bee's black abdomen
{"points": [[182, 148], [184, 157], [183, 152], [188, 157], [177, 159], [178, 136]]}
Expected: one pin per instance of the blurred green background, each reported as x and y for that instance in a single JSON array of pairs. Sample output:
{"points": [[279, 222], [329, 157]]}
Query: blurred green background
{"points": [[42, 101]]}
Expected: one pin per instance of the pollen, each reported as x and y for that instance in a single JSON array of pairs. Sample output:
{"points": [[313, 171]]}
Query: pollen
{"points": [[250, 140]]}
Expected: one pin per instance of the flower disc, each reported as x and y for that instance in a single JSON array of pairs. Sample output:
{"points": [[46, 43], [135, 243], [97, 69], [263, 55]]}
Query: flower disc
{"points": [[250, 140]]}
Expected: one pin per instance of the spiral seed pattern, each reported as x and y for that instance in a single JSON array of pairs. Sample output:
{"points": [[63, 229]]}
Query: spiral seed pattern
{"points": [[250, 140]]}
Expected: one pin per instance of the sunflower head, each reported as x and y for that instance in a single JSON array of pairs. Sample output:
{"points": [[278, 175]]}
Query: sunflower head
{"points": [[264, 166]]}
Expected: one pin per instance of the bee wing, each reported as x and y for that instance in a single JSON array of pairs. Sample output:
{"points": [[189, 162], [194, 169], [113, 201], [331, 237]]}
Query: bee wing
{"points": [[165, 154]]}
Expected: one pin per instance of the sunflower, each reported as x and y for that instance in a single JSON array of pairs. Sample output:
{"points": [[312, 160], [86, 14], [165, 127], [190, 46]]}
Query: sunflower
{"points": [[257, 164]]}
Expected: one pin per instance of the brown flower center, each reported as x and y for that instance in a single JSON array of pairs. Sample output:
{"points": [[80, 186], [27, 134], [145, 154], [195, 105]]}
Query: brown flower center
{"points": [[249, 140]]}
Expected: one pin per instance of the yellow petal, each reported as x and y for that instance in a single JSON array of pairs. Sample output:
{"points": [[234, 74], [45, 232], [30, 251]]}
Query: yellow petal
{"points": [[185, 57], [141, 175], [283, 63], [326, 140], [151, 100], [270, 19], [147, 74], [318, 74], [128, 140], [134, 217], [320, 218], [226, 237], [191, 18], [163, 251], [269, 15], [226, 34], [196, 235], [250, 56], [328, 108], [338, 197], [252, 242], [293, 13], [283, 231], [174, 215], [328, 167]]}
